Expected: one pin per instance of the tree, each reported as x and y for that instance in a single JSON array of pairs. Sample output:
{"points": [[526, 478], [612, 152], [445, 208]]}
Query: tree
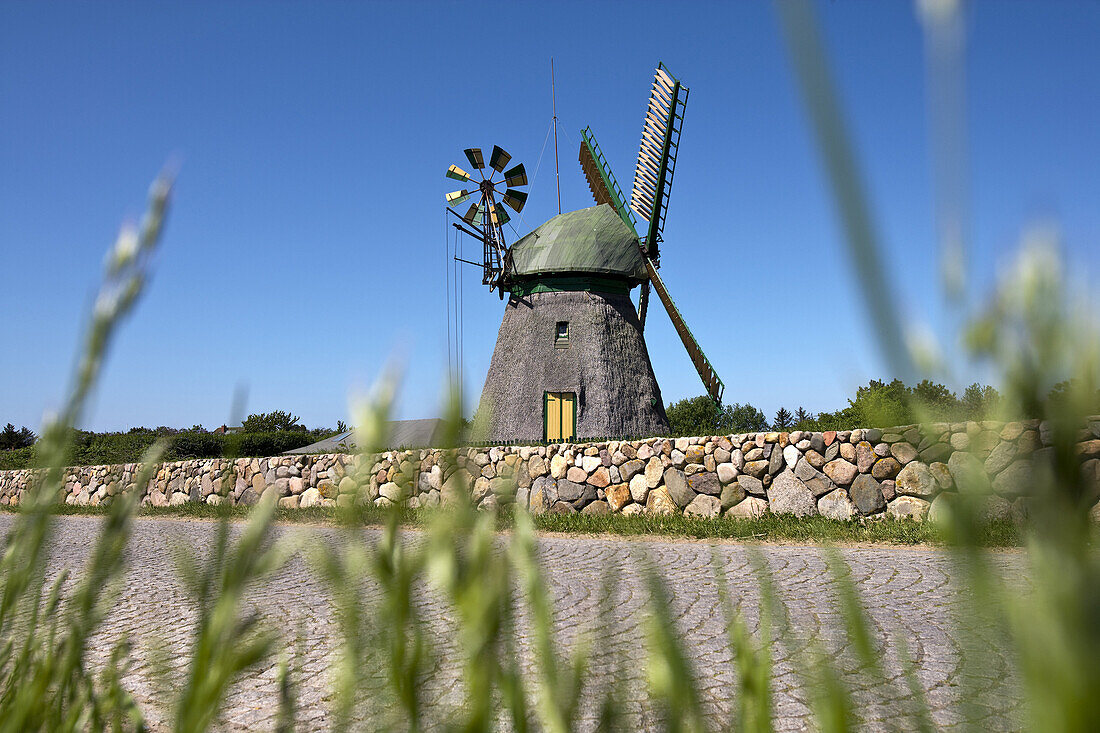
{"points": [[1073, 393], [271, 422], [694, 416], [703, 416], [979, 402], [341, 426], [744, 419], [845, 418], [881, 405], [783, 419], [802, 416], [10, 438], [930, 401]]}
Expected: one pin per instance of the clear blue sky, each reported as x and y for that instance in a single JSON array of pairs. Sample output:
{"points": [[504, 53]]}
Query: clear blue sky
{"points": [[306, 244]]}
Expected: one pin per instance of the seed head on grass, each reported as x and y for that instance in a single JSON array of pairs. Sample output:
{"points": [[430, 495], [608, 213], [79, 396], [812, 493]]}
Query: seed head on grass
{"points": [[45, 682]]}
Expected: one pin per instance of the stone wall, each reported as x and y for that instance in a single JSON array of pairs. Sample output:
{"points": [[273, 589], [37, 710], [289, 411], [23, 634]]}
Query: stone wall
{"points": [[899, 472]]}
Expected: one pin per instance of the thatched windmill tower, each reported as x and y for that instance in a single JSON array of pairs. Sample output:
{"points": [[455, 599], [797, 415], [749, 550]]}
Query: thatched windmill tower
{"points": [[570, 360], [570, 342]]}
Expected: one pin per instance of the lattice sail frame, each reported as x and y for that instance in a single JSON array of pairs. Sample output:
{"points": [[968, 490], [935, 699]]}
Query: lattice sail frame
{"points": [[601, 182], [656, 164]]}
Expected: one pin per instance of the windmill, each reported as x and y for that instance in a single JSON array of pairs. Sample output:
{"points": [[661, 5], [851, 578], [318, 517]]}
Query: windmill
{"points": [[653, 173], [570, 359], [487, 215]]}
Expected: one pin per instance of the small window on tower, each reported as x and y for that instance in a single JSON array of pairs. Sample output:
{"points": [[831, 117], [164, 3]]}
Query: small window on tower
{"points": [[561, 335]]}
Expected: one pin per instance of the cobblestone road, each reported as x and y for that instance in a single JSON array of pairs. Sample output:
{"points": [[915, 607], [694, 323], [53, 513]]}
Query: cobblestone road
{"points": [[908, 594]]}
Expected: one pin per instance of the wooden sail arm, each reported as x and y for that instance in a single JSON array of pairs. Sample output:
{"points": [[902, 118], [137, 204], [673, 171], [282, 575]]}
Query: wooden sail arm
{"points": [[643, 303], [714, 385]]}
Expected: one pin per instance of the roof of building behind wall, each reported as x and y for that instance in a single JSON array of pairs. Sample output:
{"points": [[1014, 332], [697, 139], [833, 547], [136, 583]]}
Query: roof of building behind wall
{"points": [[402, 434], [593, 240]]}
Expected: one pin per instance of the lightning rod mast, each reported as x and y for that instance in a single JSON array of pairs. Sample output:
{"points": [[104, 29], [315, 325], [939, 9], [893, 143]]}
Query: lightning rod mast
{"points": [[554, 98]]}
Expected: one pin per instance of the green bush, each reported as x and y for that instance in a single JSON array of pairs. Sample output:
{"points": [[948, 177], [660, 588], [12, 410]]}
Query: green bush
{"points": [[96, 449], [90, 449], [693, 416], [11, 460], [270, 422], [703, 416], [196, 445], [270, 444], [881, 404]]}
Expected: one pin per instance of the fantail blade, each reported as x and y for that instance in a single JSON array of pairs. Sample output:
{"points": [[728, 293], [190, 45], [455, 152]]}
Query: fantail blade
{"points": [[515, 199], [454, 198], [516, 176], [474, 156], [499, 158], [457, 173]]}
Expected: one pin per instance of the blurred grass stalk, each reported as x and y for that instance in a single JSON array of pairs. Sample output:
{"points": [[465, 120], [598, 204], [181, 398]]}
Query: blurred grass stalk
{"points": [[45, 683], [1035, 336]]}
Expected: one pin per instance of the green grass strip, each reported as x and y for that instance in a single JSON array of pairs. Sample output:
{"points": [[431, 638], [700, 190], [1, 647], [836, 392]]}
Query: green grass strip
{"points": [[768, 528]]}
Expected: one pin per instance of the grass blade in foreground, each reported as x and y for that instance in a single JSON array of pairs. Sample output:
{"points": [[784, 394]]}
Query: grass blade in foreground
{"points": [[227, 642], [752, 658], [1034, 340], [44, 680], [672, 680]]}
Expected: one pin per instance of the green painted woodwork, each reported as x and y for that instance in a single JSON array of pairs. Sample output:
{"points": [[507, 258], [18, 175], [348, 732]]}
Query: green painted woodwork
{"points": [[589, 284], [715, 387], [607, 177]]}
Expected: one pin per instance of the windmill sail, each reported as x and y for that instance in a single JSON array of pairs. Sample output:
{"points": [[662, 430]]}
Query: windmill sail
{"points": [[649, 200], [656, 163], [605, 189], [714, 385]]}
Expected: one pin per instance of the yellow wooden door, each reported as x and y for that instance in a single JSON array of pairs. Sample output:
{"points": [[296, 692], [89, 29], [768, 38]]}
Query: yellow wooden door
{"points": [[567, 417], [553, 416], [560, 416]]}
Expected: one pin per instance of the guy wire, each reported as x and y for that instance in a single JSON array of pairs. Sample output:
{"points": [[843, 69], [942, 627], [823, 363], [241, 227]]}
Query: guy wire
{"points": [[531, 188], [447, 294]]}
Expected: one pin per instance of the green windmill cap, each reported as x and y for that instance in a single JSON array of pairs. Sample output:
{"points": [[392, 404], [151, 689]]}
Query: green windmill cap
{"points": [[592, 241]]}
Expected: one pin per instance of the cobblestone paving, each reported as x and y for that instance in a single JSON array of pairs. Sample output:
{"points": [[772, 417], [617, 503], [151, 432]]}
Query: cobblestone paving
{"points": [[908, 594]]}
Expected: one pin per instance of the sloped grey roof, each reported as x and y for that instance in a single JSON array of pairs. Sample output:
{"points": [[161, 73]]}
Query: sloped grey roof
{"points": [[414, 433], [403, 434], [593, 240], [332, 444]]}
